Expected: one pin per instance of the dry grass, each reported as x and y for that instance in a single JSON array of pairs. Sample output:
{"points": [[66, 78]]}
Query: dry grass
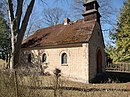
{"points": [[2, 64], [1, 61], [99, 85], [35, 85], [44, 86]]}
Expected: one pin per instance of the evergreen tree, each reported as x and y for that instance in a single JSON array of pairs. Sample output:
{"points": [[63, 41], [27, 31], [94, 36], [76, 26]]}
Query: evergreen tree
{"points": [[4, 37], [122, 37]]}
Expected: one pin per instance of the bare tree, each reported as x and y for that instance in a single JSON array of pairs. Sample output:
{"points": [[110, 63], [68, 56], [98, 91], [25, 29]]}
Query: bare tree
{"points": [[106, 11], [18, 27], [34, 23], [77, 7], [19, 18], [53, 16]]}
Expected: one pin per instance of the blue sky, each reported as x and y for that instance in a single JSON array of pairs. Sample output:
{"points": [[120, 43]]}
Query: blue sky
{"points": [[117, 4], [65, 4]]}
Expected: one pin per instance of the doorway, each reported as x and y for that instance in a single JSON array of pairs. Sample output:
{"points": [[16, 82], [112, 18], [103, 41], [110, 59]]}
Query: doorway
{"points": [[99, 61]]}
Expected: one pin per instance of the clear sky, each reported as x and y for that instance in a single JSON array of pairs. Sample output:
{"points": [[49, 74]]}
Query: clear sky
{"points": [[117, 3]]}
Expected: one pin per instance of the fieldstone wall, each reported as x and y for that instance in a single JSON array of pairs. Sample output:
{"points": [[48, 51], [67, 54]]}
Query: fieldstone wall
{"points": [[81, 58], [77, 61], [96, 43]]}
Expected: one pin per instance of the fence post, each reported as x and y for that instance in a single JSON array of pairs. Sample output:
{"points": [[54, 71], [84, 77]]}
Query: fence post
{"points": [[57, 75], [16, 84]]}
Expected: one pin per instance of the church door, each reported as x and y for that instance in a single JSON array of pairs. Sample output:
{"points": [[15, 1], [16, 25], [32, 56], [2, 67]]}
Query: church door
{"points": [[99, 61]]}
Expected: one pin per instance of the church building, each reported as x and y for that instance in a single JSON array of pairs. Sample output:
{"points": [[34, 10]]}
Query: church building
{"points": [[75, 47]]}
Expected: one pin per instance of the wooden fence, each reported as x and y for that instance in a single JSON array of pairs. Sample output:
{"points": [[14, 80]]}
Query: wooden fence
{"points": [[118, 67]]}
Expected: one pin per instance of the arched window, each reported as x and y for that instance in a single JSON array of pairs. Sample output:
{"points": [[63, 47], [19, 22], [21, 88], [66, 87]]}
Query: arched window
{"points": [[29, 58], [44, 58], [64, 58]]}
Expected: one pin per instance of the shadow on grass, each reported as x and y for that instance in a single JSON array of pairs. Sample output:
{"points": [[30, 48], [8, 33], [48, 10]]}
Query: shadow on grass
{"points": [[109, 77], [80, 89]]}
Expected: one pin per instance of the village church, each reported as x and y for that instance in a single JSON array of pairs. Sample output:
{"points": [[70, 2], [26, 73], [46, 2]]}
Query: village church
{"points": [[75, 47]]}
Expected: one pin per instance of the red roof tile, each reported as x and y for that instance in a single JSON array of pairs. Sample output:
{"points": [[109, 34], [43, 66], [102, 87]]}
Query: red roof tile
{"points": [[75, 32]]}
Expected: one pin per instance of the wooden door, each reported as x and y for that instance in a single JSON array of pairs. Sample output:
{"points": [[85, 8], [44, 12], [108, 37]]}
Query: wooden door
{"points": [[99, 61]]}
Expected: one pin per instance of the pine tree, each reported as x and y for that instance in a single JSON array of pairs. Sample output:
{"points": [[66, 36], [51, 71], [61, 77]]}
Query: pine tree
{"points": [[4, 36], [122, 37]]}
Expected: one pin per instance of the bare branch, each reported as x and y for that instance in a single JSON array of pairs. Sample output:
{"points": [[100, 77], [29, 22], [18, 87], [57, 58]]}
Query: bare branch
{"points": [[19, 13], [25, 22], [52, 16], [11, 12], [106, 11]]}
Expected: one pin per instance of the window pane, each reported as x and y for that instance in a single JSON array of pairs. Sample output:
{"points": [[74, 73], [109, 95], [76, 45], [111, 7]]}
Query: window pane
{"points": [[44, 57], [29, 58], [64, 58]]}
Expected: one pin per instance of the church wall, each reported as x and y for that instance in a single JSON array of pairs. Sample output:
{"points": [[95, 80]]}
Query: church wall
{"points": [[77, 61], [95, 43]]}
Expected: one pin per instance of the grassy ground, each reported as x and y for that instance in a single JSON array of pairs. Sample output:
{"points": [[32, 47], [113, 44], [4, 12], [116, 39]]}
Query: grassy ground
{"points": [[1, 61], [43, 86], [109, 84], [76, 89]]}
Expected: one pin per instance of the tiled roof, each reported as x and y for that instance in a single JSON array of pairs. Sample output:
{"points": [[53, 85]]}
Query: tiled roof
{"points": [[75, 32]]}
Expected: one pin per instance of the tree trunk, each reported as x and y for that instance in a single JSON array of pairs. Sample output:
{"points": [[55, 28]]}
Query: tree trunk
{"points": [[17, 56], [12, 45], [17, 30], [12, 53], [11, 18]]}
